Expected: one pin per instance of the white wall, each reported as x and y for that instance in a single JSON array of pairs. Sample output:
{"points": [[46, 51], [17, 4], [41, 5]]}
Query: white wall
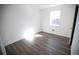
{"points": [[16, 20], [66, 19], [1, 40], [0, 25], [75, 43]]}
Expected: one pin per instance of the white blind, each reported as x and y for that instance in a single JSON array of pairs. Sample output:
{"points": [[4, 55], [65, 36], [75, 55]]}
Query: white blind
{"points": [[55, 18]]}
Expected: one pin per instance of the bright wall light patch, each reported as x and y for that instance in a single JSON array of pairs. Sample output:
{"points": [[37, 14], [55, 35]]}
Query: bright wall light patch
{"points": [[29, 34]]}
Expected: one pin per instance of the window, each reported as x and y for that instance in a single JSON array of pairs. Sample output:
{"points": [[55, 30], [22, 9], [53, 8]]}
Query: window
{"points": [[55, 18]]}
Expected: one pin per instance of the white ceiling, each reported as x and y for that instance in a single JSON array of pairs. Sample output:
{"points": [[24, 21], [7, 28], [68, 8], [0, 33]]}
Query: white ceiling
{"points": [[40, 6], [44, 5]]}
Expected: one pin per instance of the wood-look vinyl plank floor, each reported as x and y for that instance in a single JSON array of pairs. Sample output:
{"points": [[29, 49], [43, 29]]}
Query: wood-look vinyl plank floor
{"points": [[48, 44]]}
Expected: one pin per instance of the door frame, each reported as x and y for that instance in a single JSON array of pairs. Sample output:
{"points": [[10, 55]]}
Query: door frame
{"points": [[74, 24]]}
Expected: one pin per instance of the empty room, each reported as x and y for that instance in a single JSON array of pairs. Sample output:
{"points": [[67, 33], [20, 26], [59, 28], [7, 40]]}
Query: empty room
{"points": [[37, 29]]}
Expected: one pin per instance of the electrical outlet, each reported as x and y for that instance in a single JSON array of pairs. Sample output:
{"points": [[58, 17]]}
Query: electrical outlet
{"points": [[53, 29]]}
